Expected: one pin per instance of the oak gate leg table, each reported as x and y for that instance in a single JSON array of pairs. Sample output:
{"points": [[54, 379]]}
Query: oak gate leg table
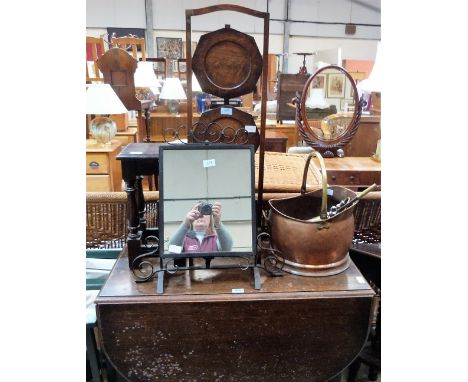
{"points": [[212, 325]]}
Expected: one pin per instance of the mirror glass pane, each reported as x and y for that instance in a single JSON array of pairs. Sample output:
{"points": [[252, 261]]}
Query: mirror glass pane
{"points": [[329, 104], [199, 184]]}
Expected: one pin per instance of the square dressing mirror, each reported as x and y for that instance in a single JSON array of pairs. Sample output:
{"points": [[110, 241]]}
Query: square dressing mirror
{"points": [[207, 200]]}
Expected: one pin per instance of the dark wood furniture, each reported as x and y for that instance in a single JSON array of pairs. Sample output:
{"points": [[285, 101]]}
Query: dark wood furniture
{"points": [[138, 160], [118, 69], [288, 85], [214, 324], [275, 141], [367, 258]]}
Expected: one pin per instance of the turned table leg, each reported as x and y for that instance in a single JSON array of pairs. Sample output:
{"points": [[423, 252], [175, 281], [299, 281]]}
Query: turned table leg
{"points": [[133, 239]]}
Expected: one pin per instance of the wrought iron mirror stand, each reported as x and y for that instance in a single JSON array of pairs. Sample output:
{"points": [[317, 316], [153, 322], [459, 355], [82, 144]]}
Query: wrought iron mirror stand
{"points": [[225, 125]]}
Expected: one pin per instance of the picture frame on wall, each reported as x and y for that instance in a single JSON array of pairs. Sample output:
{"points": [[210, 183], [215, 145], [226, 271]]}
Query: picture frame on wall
{"points": [[336, 85], [348, 101], [319, 82], [169, 47], [125, 32], [349, 91]]}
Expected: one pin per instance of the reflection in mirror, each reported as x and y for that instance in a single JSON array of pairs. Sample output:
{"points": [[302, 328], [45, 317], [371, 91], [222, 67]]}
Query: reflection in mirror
{"points": [[207, 199], [329, 103]]}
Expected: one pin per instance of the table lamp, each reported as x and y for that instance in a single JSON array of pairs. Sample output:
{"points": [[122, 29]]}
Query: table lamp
{"points": [[101, 100], [373, 84], [146, 83], [196, 88], [316, 99], [173, 92]]}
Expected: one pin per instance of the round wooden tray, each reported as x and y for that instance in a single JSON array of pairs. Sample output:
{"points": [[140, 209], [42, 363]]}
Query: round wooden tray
{"points": [[227, 63], [226, 124]]}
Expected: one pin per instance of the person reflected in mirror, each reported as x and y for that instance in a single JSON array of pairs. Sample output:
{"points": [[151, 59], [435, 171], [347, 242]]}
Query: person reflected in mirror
{"points": [[202, 230]]}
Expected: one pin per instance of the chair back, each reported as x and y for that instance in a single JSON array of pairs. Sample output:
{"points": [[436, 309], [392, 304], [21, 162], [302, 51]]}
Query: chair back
{"points": [[160, 73], [94, 50], [118, 69], [130, 43]]}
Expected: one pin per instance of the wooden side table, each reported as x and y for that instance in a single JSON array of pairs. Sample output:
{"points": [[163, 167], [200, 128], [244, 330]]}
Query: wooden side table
{"points": [[103, 172], [213, 323], [138, 160]]}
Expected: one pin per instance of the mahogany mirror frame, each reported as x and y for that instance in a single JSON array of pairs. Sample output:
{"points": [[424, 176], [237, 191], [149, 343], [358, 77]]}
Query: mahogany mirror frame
{"points": [[327, 147]]}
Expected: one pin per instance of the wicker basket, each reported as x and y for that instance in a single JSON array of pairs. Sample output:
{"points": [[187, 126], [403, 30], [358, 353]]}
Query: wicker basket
{"points": [[367, 219], [283, 173], [106, 218]]}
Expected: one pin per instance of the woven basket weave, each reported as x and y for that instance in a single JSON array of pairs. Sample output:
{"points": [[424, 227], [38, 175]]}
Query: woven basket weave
{"points": [[106, 218], [284, 172]]}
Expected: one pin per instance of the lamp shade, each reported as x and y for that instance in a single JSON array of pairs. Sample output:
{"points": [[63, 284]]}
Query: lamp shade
{"points": [[172, 89], [144, 75], [196, 88], [374, 82], [317, 99], [102, 99]]}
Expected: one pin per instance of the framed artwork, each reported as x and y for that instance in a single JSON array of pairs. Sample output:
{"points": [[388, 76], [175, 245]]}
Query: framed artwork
{"points": [[319, 82], [336, 85], [169, 47], [349, 92], [126, 32], [345, 101]]}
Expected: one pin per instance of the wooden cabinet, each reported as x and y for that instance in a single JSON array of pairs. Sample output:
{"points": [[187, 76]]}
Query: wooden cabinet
{"points": [[289, 130], [365, 140], [103, 172], [275, 141], [352, 171]]}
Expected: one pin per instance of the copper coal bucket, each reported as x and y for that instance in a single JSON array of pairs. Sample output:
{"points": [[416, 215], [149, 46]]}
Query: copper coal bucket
{"points": [[314, 230]]}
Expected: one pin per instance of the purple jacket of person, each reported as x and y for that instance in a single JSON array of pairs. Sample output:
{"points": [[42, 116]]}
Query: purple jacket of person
{"points": [[191, 243], [187, 239]]}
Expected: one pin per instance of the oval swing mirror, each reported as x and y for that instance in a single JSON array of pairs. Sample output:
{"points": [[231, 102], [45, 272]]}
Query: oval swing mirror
{"points": [[329, 109]]}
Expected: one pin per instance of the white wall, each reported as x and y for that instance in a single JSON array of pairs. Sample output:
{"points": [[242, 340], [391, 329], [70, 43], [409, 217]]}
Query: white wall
{"points": [[115, 14], [169, 21]]}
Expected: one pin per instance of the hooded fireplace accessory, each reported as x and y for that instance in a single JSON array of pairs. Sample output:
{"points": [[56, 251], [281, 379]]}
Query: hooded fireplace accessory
{"points": [[311, 233]]}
